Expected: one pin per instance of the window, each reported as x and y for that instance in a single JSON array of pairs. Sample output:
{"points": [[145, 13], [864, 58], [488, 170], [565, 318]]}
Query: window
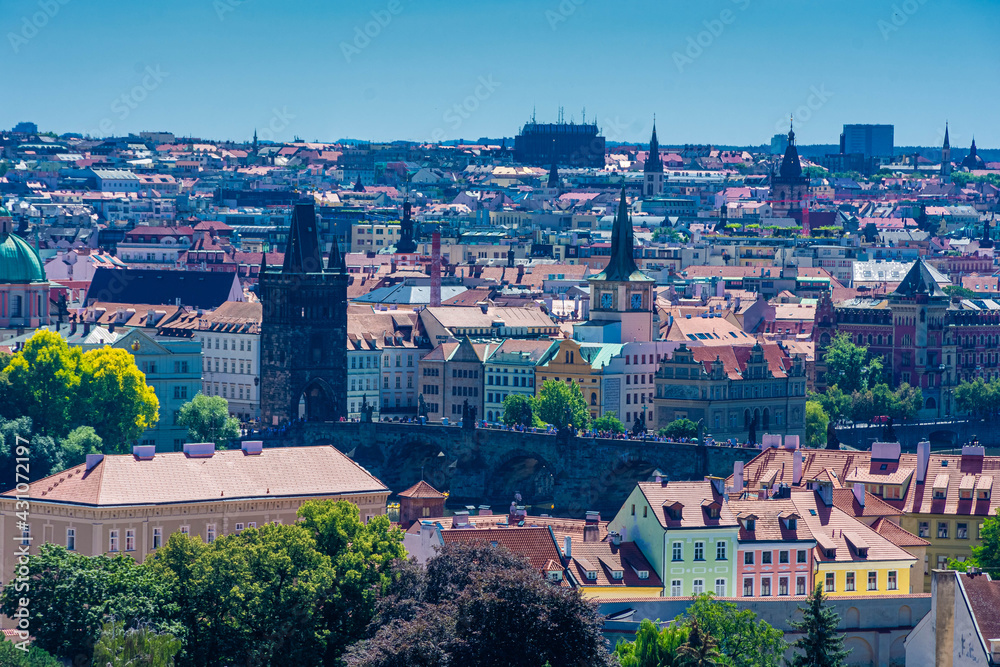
{"points": [[252, 524], [748, 558], [924, 530], [720, 587], [783, 586], [698, 587], [633, 510], [891, 585], [962, 531], [699, 551], [765, 587], [185, 530], [849, 582], [942, 529], [800, 557], [782, 556], [239, 528], [720, 551], [873, 581], [678, 549], [113, 540], [831, 585], [800, 586], [210, 533], [71, 539], [765, 558], [644, 510], [942, 562], [748, 588], [157, 538], [751, 524], [675, 588]]}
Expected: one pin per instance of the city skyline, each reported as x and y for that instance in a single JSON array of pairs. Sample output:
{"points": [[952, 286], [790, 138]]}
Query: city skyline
{"points": [[391, 70]]}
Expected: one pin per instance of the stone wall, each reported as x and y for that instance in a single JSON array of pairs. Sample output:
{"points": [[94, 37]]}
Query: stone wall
{"points": [[558, 474], [942, 435]]}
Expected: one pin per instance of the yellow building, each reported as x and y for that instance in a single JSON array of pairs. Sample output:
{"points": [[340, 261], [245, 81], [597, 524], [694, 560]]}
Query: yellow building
{"points": [[581, 364]]}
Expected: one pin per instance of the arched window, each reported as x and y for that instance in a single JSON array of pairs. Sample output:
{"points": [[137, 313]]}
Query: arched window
{"points": [[15, 306], [593, 398]]}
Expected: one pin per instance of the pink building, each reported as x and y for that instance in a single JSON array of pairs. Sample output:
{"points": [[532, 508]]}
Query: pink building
{"points": [[775, 550]]}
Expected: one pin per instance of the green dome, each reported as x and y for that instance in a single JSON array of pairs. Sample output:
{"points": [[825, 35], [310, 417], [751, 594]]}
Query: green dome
{"points": [[19, 263]]}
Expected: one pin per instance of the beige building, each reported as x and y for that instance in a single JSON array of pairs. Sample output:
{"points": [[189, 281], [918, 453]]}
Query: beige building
{"points": [[133, 503]]}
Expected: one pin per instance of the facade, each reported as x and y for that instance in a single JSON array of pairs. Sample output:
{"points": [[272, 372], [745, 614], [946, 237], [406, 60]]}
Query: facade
{"points": [[304, 329], [374, 236], [230, 341], [569, 144], [735, 392], [581, 364], [775, 553], [688, 532], [510, 369], [868, 140], [133, 503], [24, 289], [418, 502], [451, 377]]}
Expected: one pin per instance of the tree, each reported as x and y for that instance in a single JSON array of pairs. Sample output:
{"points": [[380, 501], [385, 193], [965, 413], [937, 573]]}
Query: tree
{"points": [[653, 647], [849, 366], [140, 646], [361, 557], [562, 404], [744, 640], [963, 292], [816, 423], [985, 555], [680, 428], [609, 423], [72, 596], [700, 649], [81, 441], [12, 656], [43, 381], [835, 403], [254, 598], [46, 455], [519, 409], [115, 397], [207, 420], [821, 645]]}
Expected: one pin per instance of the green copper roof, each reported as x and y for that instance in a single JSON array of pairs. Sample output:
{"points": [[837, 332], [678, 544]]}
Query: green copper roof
{"points": [[621, 266], [19, 263]]}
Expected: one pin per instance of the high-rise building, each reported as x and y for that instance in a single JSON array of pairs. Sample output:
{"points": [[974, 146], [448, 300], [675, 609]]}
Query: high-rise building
{"points": [[568, 144], [869, 140], [304, 329]]}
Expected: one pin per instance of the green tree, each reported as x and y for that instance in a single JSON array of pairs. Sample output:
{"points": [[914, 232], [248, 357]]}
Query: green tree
{"points": [[207, 420], [985, 555], [254, 598], [821, 645], [12, 656], [653, 647], [963, 292], [700, 649], [78, 443], [608, 422], [849, 366], [835, 403], [141, 646], [115, 398], [816, 424], [361, 556], [519, 409], [680, 428], [72, 596], [46, 455], [743, 640], [562, 404], [980, 399], [43, 381]]}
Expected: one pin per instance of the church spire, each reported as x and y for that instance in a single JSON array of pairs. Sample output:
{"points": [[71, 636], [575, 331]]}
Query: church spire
{"points": [[947, 142], [406, 243], [653, 162], [621, 266], [302, 254]]}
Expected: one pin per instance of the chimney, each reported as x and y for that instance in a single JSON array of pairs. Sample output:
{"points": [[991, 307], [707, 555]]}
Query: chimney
{"points": [[973, 451], [93, 460], [738, 476], [797, 467], [859, 493], [111, 327], [199, 450], [718, 484], [923, 460], [658, 476], [436, 269], [86, 328], [484, 510], [72, 327], [460, 520], [150, 317], [252, 447], [568, 549], [592, 528], [144, 452]]}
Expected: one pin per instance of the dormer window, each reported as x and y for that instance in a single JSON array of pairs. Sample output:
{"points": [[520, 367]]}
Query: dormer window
{"points": [[793, 524], [751, 524], [592, 575], [831, 553], [863, 552], [643, 574], [555, 575], [617, 575]]}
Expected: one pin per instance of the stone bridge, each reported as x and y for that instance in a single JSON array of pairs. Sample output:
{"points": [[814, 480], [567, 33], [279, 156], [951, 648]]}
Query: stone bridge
{"points": [[944, 434], [567, 475]]}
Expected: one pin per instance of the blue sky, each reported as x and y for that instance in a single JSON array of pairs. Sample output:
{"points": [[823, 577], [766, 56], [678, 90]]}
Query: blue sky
{"points": [[720, 71]]}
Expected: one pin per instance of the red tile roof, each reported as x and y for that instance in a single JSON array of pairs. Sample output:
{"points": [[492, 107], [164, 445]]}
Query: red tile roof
{"points": [[421, 490], [984, 598], [533, 542], [898, 536], [690, 495]]}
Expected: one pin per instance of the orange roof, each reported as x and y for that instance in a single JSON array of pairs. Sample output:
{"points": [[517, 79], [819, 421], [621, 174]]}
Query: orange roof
{"points": [[690, 495], [834, 528], [533, 542], [898, 536], [421, 490], [174, 477]]}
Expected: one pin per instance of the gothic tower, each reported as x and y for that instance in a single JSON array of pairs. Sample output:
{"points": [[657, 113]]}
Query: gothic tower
{"points": [[406, 243], [789, 188], [303, 341], [653, 169], [946, 154]]}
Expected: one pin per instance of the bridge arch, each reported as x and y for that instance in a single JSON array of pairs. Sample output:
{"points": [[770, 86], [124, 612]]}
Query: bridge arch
{"points": [[523, 472]]}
